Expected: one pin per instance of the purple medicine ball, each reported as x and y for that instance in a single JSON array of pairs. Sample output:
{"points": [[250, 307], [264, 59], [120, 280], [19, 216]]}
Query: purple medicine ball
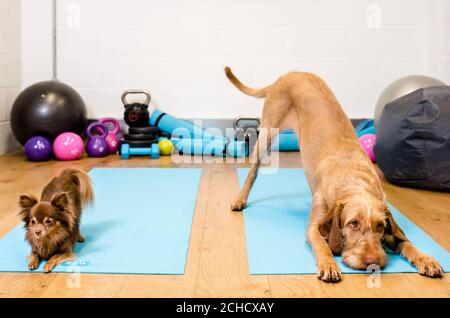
{"points": [[38, 148]]}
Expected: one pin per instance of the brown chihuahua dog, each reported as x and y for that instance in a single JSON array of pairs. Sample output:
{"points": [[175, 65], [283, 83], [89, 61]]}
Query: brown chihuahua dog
{"points": [[53, 223]]}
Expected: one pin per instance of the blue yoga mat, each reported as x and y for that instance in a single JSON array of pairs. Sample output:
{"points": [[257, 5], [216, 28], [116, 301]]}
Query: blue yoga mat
{"points": [[275, 228], [140, 224]]}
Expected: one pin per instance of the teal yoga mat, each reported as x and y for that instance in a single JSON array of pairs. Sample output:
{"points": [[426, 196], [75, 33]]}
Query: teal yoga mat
{"points": [[275, 228], [140, 224]]}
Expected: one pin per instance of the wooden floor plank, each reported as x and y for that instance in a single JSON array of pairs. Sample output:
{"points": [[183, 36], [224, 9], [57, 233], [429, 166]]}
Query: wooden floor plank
{"points": [[223, 268], [356, 285]]}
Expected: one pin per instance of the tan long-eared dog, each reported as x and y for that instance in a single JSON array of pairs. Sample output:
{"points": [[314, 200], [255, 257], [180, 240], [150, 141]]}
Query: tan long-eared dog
{"points": [[349, 215]]}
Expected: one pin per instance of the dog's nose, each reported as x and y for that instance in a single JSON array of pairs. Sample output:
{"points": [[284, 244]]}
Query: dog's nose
{"points": [[372, 260], [38, 233]]}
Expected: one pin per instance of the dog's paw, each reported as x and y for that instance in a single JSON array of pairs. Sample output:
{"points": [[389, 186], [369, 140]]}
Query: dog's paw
{"points": [[428, 266], [48, 267], [238, 205], [329, 272], [33, 265]]}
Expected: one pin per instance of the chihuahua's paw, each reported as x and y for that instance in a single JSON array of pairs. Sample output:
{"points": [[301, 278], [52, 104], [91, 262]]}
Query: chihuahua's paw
{"points": [[329, 272], [238, 205], [33, 265], [428, 266], [48, 267]]}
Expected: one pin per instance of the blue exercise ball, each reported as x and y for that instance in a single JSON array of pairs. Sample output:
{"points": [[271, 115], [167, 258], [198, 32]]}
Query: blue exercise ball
{"points": [[47, 109]]}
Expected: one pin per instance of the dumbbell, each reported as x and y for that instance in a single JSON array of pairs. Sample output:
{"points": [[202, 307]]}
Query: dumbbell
{"points": [[126, 151]]}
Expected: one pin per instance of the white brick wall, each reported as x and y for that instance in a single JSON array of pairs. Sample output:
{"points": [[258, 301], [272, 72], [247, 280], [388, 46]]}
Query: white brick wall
{"points": [[177, 49], [9, 68], [447, 41], [439, 39]]}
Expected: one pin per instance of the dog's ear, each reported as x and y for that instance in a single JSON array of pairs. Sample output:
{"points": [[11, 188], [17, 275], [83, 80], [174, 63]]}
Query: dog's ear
{"points": [[60, 200], [393, 235], [26, 203], [335, 238]]}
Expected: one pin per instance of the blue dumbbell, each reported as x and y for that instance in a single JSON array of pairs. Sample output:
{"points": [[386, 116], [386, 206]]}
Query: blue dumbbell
{"points": [[126, 151]]}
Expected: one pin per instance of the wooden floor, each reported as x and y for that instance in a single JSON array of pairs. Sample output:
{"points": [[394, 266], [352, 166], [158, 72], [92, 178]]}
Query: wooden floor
{"points": [[217, 261]]}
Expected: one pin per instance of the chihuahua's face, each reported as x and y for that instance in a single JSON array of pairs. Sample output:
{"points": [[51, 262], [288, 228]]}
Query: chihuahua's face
{"points": [[42, 218], [42, 224]]}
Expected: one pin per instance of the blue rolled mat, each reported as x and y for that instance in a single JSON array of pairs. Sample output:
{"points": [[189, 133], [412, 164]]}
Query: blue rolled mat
{"points": [[206, 147], [286, 141], [275, 228], [366, 127], [180, 128], [133, 228]]}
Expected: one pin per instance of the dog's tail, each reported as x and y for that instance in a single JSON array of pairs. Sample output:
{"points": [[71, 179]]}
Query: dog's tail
{"points": [[84, 185], [255, 92]]}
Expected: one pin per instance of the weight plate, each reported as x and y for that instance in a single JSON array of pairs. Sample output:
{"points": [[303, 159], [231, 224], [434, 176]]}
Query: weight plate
{"points": [[139, 137], [164, 134], [143, 130]]}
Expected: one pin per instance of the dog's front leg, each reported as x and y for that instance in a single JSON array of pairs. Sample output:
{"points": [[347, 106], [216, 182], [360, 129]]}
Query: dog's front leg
{"points": [[327, 268], [80, 237], [397, 241], [34, 261], [57, 259], [425, 264]]}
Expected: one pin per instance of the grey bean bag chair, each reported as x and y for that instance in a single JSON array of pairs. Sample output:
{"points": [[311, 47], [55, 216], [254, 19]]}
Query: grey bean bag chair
{"points": [[413, 139]]}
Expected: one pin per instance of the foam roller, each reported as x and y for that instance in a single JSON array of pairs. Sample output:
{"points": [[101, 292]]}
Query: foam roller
{"points": [[286, 141], [205, 147], [366, 127], [180, 128]]}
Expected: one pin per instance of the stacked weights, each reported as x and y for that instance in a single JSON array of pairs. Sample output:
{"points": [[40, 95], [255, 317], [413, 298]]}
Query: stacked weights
{"points": [[140, 133]]}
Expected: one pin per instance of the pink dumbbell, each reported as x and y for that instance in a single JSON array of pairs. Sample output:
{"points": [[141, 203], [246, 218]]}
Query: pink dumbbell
{"points": [[111, 139]]}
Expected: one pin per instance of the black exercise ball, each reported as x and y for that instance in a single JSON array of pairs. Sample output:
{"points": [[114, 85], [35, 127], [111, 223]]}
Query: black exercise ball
{"points": [[47, 109]]}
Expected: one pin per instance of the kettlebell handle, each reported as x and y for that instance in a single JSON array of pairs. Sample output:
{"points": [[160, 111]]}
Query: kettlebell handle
{"points": [[136, 91], [99, 128], [238, 120], [113, 121]]}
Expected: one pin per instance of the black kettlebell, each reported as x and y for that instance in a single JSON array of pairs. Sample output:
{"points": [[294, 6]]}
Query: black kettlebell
{"points": [[136, 114], [246, 126]]}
